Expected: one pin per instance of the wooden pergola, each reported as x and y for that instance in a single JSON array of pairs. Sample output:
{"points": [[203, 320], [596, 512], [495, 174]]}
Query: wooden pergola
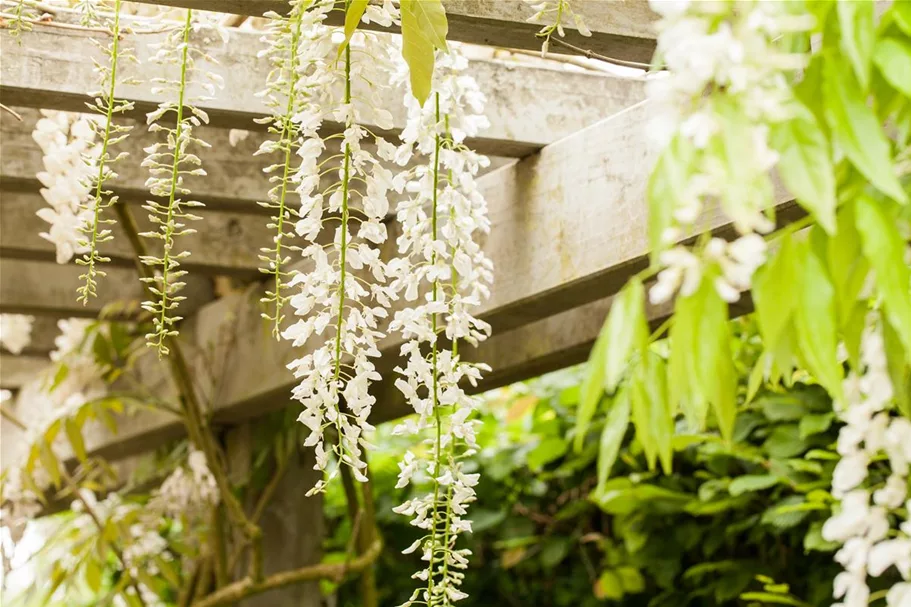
{"points": [[567, 204]]}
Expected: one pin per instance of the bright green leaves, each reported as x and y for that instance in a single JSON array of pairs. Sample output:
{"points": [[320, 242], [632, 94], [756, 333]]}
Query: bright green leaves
{"points": [[651, 410], [624, 333], [774, 304], [806, 165], [701, 367], [858, 33], [815, 320], [424, 29], [893, 59], [857, 130], [353, 14], [612, 436], [901, 12], [884, 248]]}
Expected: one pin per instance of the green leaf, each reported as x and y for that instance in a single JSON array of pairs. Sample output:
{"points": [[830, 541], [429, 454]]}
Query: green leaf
{"points": [[901, 12], [857, 129], [716, 366], [893, 58], [93, 575], [74, 434], [816, 326], [782, 407], [612, 436], [858, 33], [592, 385], [609, 586], [554, 550], [751, 482], [548, 450], [49, 462], [806, 165], [631, 580], [846, 264], [784, 442], [627, 330], [353, 15], [424, 29], [813, 540], [884, 248], [768, 597], [651, 412], [815, 423], [899, 370], [774, 304]]}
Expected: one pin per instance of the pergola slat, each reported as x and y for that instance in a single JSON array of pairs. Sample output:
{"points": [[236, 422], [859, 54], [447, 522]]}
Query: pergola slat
{"points": [[17, 370], [621, 29], [54, 70], [48, 289]]}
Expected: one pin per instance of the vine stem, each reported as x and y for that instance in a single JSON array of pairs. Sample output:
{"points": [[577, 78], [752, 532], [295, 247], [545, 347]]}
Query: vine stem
{"points": [[172, 195], [99, 180]]}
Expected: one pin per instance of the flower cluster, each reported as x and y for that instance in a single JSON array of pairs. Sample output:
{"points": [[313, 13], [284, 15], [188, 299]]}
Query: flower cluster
{"points": [[15, 332], [444, 269], [287, 100], [108, 134], [70, 158], [343, 294], [726, 79], [870, 545], [188, 491], [170, 162]]}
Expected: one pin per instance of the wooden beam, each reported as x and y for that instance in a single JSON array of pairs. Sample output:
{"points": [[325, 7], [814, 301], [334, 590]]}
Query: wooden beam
{"points": [[16, 371], [569, 228], [49, 289], [225, 244], [53, 68], [622, 29]]}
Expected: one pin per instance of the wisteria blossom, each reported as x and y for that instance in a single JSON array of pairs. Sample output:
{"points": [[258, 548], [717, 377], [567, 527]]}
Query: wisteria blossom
{"points": [[445, 272], [70, 157], [189, 491], [15, 332], [342, 297], [870, 545], [726, 78]]}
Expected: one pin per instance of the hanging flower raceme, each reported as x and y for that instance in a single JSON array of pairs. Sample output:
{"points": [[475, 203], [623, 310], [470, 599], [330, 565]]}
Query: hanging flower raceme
{"points": [[726, 79], [189, 491], [444, 270], [170, 162], [870, 545], [287, 100], [108, 134], [15, 331], [70, 158], [342, 296]]}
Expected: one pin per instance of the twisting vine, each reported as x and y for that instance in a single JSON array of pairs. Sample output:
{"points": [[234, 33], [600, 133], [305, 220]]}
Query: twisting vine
{"points": [[331, 296], [109, 134], [287, 100], [439, 223], [168, 170]]}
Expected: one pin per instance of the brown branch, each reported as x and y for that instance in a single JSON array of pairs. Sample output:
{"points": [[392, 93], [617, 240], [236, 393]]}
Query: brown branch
{"points": [[323, 571], [15, 114], [219, 548], [598, 56], [196, 426], [9, 415], [366, 533]]}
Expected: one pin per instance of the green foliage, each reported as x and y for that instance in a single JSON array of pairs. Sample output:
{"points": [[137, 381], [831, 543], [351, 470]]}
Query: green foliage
{"points": [[424, 29]]}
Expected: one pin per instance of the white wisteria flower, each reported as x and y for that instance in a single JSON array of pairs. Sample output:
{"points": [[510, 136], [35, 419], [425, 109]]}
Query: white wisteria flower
{"points": [[342, 297], [445, 272], [189, 491], [870, 545], [16, 332]]}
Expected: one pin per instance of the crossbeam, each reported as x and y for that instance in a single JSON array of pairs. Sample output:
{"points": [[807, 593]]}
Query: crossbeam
{"points": [[53, 68], [620, 29]]}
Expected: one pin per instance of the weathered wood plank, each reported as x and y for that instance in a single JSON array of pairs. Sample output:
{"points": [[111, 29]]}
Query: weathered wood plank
{"points": [[225, 243], [15, 370], [621, 29], [49, 289], [54, 70]]}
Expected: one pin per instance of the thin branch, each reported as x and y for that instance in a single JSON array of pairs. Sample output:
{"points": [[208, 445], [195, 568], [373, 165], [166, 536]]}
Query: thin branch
{"points": [[323, 571], [4, 412], [15, 114], [67, 26], [598, 56], [569, 60]]}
